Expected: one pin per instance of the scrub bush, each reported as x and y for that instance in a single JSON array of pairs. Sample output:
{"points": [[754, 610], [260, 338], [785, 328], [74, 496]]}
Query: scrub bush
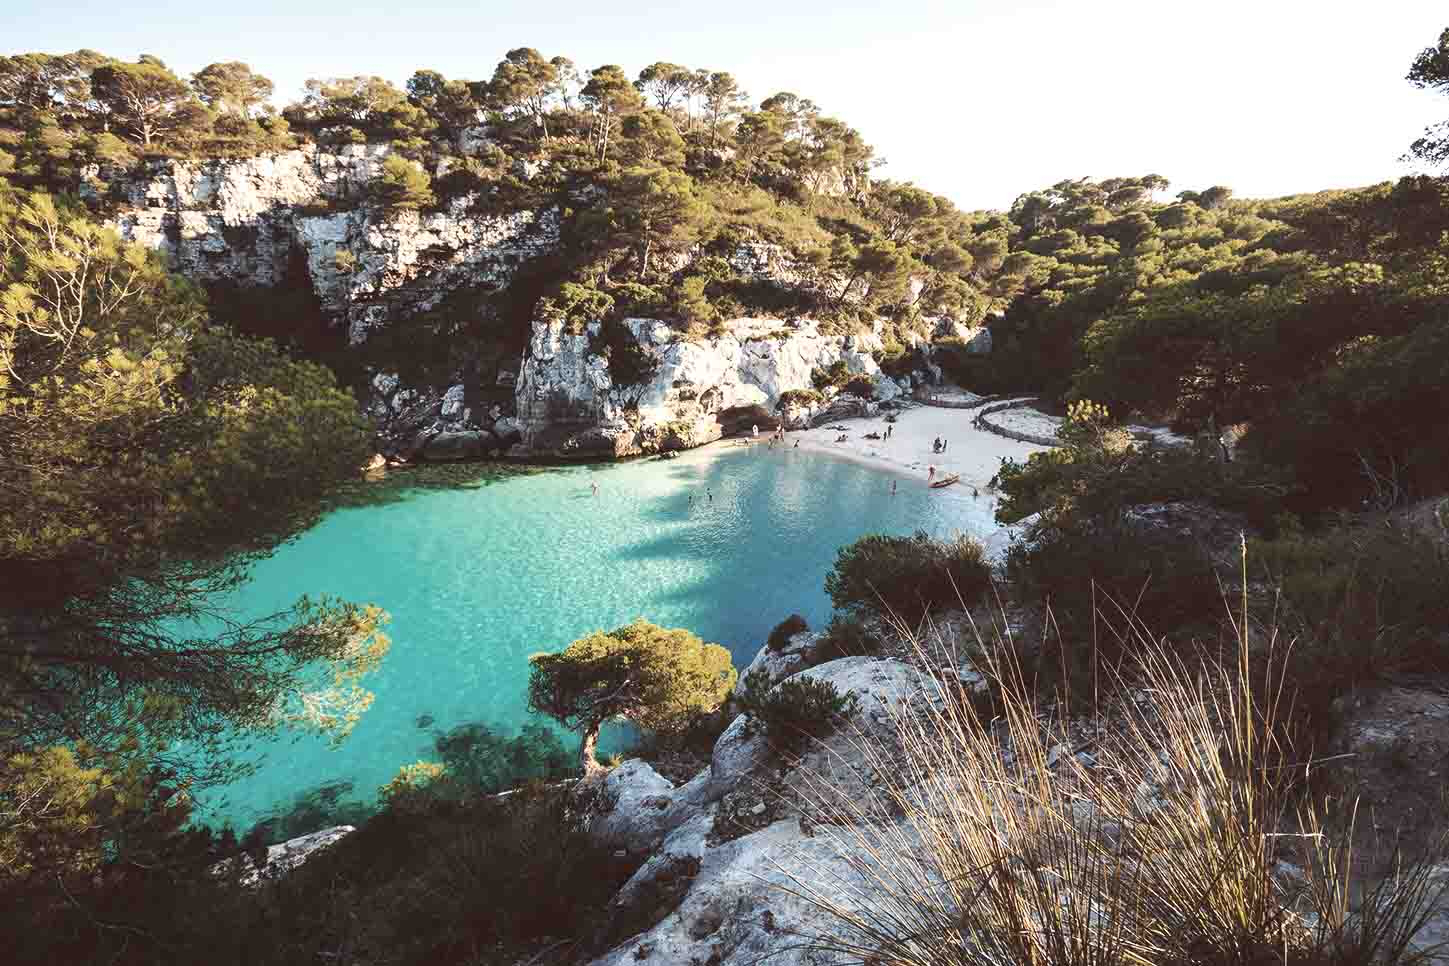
{"points": [[845, 636], [795, 710], [786, 629], [1364, 600], [908, 576]]}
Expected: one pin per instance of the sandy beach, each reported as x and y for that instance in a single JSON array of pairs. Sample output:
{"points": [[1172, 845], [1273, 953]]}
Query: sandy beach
{"points": [[974, 453]]}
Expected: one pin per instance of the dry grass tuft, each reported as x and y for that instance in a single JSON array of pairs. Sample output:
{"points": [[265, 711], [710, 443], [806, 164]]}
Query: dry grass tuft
{"points": [[1163, 844]]}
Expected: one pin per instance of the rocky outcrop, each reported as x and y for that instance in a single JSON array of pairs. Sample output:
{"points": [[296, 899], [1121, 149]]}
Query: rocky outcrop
{"points": [[306, 221], [283, 858], [721, 847], [571, 404], [257, 222]]}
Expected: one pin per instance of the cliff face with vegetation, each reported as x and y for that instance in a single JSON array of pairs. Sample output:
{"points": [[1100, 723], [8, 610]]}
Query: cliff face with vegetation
{"points": [[416, 239], [303, 217], [757, 372], [304, 220]]}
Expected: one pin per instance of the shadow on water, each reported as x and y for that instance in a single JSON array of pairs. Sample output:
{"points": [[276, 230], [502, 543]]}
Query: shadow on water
{"points": [[397, 484], [480, 759]]}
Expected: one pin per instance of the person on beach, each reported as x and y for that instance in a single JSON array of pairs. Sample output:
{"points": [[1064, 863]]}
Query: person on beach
{"points": [[593, 488], [931, 474], [944, 442], [754, 430], [893, 487]]}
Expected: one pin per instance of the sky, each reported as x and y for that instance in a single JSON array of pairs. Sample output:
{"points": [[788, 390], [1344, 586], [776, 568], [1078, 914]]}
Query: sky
{"points": [[978, 101]]}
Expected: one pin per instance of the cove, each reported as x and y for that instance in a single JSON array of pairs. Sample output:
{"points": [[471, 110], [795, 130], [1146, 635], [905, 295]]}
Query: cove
{"points": [[478, 578]]}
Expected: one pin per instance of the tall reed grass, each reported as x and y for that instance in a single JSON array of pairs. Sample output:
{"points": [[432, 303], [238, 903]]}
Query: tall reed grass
{"points": [[1167, 826]]}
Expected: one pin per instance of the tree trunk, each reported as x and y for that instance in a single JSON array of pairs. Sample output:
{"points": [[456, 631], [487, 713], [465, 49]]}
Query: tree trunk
{"points": [[587, 762]]}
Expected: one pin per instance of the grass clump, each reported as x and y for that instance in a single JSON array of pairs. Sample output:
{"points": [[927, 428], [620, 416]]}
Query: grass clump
{"points": [[988, 841]]}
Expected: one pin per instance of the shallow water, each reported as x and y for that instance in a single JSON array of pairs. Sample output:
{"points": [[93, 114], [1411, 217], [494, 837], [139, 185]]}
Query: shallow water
{"points": [[477, 579]]}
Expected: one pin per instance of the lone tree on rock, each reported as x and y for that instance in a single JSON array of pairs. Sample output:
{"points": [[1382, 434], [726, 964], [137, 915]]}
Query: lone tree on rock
{"points": [[656, 677]]}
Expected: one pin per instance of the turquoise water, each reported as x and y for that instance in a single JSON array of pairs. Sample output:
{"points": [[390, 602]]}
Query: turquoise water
{"points": [[477, 579]]}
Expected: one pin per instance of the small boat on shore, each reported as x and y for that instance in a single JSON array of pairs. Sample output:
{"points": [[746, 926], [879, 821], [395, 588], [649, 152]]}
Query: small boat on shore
{"points": [[946, 481]]}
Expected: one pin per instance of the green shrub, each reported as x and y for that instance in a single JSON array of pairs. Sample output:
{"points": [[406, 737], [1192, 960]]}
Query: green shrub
{"points": [[402, 185], [861, 386], [908, 576], [1365, 601], [798, 397], [845, 636], [795, 710], [786, 629], [1163, 578], [836, 375]]}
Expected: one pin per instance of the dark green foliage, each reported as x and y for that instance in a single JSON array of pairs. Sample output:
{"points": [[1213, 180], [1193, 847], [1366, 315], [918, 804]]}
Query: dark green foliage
{"points": [[454, 882], [1366, 601], [786, 629], [797, 710], [845, 636], [861, 386], [907, 577], [836, 375], [1165, 579], [798, 397], [479, 760], [1430, 71], [1369, 430]]}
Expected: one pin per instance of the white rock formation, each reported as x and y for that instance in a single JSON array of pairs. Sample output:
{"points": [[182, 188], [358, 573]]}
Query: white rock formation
{"points": [[734, 906], [285, 857], [248, 221], [698, 387]]}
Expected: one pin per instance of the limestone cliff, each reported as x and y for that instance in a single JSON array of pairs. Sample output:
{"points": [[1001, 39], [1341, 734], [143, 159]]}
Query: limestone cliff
{"points": [[570, 401], [255, 221], [305, 220]]}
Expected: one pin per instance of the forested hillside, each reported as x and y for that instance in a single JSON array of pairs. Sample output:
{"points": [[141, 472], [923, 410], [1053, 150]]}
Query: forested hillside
{"points": [[660, 177]]}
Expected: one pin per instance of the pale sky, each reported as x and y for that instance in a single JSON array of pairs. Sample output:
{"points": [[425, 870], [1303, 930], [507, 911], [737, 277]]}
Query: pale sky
{"points": [[977, 101]]}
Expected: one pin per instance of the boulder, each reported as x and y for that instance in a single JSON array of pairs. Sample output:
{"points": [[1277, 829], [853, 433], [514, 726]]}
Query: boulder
{"points": [[451, 407], [283, 858], [508, 430], [792, 658], [844, 406], [451, 446]]}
